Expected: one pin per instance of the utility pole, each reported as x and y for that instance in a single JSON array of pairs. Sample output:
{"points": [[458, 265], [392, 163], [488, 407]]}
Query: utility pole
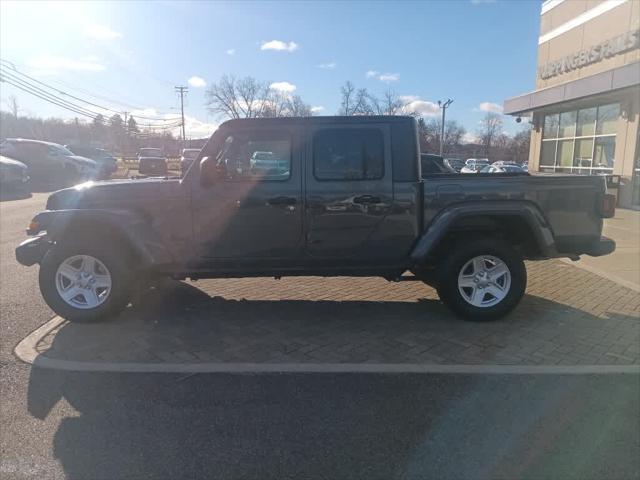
{"points": [[182, 91], [443, 106]]}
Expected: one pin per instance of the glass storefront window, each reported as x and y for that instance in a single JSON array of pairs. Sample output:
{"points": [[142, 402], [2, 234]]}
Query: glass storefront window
{"points": [[548, 154], [580, 141], [607, 119], [564, 157], [583, 152], [567, 124], [586, 122], [604, 152], [551, 126]]}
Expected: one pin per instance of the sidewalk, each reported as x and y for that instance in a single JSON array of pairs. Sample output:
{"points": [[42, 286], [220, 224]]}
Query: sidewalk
{"points": [[623, 265]]}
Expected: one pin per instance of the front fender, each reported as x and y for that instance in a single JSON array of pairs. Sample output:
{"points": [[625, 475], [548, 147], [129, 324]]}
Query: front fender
{"points": [[443, 222], [134, 229]]}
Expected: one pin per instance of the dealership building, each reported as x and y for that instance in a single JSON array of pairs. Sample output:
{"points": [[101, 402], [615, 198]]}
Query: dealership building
{"points": [[585, 110]]}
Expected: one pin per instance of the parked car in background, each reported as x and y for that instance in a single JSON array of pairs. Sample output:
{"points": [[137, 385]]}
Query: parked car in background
{"points": [[152, 161], [474, 165], [434, 164], [49, 162], [187, 157], [525, 166], [107, 163], [13, 174], [504, 168], [455, 163], [268, 163]]}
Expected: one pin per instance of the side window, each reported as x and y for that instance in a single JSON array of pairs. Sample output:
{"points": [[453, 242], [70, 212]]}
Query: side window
{"points": [[348, 154], [256, 155]]}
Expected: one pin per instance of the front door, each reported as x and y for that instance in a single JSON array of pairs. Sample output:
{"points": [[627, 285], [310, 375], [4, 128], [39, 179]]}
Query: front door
{"points": [[349, 189], [254, 210]]}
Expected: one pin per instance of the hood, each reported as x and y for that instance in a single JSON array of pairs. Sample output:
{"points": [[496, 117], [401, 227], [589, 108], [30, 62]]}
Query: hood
{"points": [[153, 158], [82, 160], [115, 194]]}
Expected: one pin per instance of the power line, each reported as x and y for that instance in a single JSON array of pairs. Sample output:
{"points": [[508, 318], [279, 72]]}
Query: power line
{"points": [[14, 69]]}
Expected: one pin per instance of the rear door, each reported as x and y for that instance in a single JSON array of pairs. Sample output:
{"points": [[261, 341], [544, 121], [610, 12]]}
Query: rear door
{"points": [[349, 188]]}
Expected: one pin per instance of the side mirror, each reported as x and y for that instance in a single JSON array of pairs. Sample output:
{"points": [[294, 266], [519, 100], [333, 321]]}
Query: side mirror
{"points": [[210, 171]]}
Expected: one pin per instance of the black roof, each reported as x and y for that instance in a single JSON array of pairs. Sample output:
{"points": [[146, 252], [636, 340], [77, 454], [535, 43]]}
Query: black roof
{"points": [[319, 120]]}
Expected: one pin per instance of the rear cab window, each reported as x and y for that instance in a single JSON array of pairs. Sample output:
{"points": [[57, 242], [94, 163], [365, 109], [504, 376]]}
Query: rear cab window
{"points": [[348, 154]]}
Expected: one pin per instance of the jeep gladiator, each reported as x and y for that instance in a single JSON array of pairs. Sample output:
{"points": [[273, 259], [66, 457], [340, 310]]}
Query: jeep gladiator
{"points": [[339, 196]]}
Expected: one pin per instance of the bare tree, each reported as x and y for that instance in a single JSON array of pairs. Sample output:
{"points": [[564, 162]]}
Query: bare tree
{"points": [[355, 101], [12, 103], [519, 146], [429, 133], [390, 104], [250, 98], [297, 107], [490, 129]]}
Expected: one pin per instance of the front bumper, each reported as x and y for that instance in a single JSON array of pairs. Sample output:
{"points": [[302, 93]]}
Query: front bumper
{"points": [[601, 247], [32, 250]]}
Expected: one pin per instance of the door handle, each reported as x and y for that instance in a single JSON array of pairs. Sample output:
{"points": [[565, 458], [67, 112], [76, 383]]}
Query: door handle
{"points": [[282, 201], [366, 199]]}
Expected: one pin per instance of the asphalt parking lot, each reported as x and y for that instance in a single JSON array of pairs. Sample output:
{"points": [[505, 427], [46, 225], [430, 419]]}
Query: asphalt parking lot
{"points": [[110, 423]]}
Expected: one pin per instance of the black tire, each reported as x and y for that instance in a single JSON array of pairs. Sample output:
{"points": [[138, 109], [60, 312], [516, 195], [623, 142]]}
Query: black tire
{"points": [[461, 253], [121, 282]]}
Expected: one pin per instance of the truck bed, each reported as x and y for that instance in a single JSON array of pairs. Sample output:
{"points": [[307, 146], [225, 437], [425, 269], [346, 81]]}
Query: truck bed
{"points": [[569, 203]]}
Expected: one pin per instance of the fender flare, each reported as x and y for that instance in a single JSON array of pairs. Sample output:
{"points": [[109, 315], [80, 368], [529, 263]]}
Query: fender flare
{"points": [[441, 224], [130, 226]]}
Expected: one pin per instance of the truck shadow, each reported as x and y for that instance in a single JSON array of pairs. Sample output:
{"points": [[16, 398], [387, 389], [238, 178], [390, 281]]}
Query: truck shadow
{"points": [[300, 426]]}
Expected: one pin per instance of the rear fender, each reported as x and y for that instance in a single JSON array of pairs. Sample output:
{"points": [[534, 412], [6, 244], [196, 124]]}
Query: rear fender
{"points": [[446, 219]]}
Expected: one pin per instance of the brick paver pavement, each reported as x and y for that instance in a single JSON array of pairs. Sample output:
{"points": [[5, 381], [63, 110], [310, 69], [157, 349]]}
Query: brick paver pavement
{"points": [[568, 317]]}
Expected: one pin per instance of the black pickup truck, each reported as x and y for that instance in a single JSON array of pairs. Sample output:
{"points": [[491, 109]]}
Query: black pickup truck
{"points": [[330, 196]]}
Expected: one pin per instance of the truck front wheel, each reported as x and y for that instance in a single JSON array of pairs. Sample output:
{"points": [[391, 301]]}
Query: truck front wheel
{"points": [[482, 279], [85, 283]]}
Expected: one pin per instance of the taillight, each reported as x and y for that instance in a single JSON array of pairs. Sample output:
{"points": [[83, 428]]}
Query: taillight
{"points": [[608, 205]]}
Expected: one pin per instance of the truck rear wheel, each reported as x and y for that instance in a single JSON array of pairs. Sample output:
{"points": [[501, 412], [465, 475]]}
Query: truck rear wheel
{"points": [[85, 283], [482, 279]]}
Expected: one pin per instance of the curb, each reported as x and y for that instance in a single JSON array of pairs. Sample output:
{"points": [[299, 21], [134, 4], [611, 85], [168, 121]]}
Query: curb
{"points": [[601, 273], [26, 352]]}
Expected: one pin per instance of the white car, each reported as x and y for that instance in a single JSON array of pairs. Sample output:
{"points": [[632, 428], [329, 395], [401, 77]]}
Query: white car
{"points": [[474, 165]]}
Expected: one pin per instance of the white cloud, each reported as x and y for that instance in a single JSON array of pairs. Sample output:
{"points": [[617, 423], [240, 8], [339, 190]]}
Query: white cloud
{"points": [[197, 82], [489, 107], [100, 32], [279, 45], [469, 138], [52, 63], [327, 66], [389, 77], [317, 109], [284, 87], [413, 103], [231, 51], [195, 128], [383, 77]]}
